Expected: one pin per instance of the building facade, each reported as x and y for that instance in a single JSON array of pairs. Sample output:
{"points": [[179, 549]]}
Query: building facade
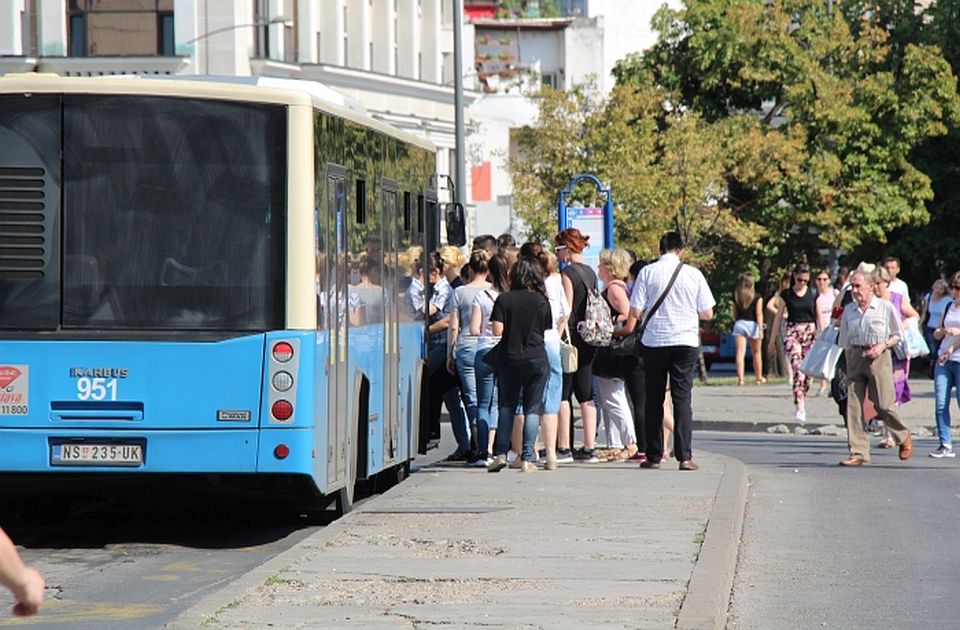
{"points": [[393, 56]]}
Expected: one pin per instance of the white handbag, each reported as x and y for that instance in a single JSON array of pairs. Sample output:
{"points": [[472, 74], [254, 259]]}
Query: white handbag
{"points": [[568, 353], [821, 360], [913, 339]]}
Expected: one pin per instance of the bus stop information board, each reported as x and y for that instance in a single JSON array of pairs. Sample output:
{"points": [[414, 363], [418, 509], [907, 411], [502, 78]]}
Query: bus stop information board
{"points": [[590, 223]]}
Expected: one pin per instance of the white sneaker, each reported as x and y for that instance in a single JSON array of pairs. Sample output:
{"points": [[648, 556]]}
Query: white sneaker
{"points": [[801, 416], [943, 451], [511, 456]]}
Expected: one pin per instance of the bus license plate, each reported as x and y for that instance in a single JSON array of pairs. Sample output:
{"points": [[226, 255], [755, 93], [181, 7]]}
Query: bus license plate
{"points": [[93, 454]]}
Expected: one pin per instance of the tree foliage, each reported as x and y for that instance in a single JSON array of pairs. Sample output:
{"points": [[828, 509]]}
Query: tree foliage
{"points": [[761, 129]]}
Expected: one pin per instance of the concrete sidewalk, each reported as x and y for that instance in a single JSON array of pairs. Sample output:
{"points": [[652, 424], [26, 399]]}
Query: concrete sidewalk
{"points": [[602, 545], [761, 407]]}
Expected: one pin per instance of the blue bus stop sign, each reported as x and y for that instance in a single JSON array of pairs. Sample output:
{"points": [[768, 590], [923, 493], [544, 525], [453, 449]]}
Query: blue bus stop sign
{"points": [[597, 223]]}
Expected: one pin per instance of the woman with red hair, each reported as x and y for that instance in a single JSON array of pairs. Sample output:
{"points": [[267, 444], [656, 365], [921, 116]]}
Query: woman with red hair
{"points": [[578, 279]]}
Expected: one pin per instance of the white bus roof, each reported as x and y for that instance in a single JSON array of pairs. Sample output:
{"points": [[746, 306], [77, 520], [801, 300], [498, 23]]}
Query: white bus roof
{"points": [[255, 89]]}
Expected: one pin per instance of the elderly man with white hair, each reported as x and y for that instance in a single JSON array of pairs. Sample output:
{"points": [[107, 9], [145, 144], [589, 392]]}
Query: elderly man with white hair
{"points": [[869, 328]]}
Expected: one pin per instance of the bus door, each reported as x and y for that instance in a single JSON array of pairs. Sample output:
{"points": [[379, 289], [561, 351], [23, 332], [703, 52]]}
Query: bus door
{"points": [[339, 424], [391, 324]]}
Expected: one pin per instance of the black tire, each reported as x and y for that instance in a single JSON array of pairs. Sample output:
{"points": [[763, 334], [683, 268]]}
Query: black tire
{"points": [[345, 495]]}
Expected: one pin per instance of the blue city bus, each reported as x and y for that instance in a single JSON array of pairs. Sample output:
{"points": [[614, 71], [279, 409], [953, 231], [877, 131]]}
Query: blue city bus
{"points": [[181, 289]]}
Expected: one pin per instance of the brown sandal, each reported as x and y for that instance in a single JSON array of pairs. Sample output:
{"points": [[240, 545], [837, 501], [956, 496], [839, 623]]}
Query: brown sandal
{"points": [[626, 453]]}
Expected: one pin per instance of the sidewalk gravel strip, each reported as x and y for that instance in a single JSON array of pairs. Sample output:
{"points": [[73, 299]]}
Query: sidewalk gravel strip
{"points": [[708, 594], [204, 613], [558, 549]]}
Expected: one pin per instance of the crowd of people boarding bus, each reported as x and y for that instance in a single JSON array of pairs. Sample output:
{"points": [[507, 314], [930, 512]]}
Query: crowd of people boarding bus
{"points": [[505, 322]]}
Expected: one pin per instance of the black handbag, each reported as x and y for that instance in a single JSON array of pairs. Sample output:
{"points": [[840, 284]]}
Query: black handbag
{"points": [[631, 345], [494, 357], [627, 346]]}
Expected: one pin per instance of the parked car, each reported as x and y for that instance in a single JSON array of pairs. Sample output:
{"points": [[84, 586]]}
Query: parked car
{"points": [[710, 343], [718, 347]]}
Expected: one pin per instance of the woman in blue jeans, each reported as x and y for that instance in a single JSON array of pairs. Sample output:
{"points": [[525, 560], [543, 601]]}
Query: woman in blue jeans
{"points": [[946, 373], [462, 345], [520, 316], [498, 269]]}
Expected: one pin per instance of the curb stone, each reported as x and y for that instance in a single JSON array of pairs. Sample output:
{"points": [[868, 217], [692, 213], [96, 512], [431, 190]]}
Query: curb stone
{"points": [[711, 583]]}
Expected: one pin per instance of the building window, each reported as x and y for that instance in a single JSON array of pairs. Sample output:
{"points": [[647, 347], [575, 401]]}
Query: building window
{"points": [[346, 37], [78, 35], [291, 52], [28, 28], [165, 40], [261, 29], [120, 28]]}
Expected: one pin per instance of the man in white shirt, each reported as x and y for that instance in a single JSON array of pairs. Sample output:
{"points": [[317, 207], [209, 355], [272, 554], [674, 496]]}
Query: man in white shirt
{"points": [[869, 328], [892, 265], [671, 344]]}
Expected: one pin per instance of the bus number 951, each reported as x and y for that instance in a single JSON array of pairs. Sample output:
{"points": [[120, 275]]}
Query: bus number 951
{"points": [[96, 388]]}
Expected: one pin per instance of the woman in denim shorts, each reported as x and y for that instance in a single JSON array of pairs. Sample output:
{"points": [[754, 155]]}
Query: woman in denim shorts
{"points": [[748, 313]]}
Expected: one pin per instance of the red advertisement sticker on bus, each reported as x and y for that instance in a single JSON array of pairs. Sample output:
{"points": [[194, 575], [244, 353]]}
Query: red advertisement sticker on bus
{"points": [[8, 374], [14, 390]]}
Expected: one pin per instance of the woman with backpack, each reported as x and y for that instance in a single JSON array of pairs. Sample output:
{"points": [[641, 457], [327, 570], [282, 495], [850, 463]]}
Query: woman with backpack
{"points": [[578, 280]]}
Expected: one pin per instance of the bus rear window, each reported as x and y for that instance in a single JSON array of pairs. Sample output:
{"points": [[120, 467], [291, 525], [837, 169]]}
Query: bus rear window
{"points": [[173, 214]]}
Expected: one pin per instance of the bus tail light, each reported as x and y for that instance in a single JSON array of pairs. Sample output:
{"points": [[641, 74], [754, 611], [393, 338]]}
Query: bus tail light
{"points": [[282, 410], [282, 381], [281, 451], [282, 352], [283, 371]]}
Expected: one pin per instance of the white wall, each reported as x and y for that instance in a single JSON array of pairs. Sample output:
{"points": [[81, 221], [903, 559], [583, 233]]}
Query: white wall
{"points": [[584, 44], [626, 29], [11, 40], [358, 35], [495, 116], [383, 37], [52, 24]]}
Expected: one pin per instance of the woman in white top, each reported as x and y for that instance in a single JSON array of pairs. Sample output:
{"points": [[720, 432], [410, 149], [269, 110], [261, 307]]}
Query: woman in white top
{"points": [[946, 374], [461, 345], [498, 274], [931, 314], [826, 296], [560, 311]]}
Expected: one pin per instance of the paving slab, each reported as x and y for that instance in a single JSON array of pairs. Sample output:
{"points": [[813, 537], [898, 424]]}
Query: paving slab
{"points": [[605, 545]]}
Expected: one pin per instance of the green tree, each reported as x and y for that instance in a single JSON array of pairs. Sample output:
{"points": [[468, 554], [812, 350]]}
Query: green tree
{"points": [[553, 151], [820, 82], [927, 252]]}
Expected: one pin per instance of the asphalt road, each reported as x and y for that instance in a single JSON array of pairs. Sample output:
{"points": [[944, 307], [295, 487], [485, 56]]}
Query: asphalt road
{"points": [[136, 559], [827, 547], [137, 562]]}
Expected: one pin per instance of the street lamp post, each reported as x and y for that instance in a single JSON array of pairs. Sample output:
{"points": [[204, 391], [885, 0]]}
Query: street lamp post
{"points": [[458, 102], [226, 29]]}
